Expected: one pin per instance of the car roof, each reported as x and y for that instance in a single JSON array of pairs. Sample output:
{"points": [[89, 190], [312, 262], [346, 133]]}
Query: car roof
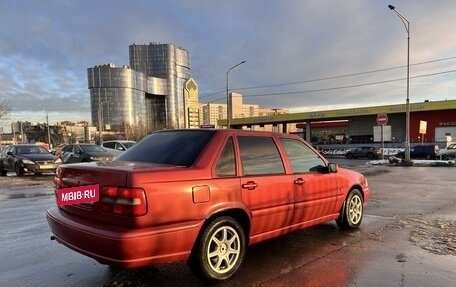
{"points": [[236, 131], [119, 141], [25, 145], [80, 144]]}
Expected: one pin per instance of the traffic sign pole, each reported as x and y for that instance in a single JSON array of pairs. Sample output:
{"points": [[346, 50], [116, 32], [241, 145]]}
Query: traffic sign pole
{"points": [[382, 119]]}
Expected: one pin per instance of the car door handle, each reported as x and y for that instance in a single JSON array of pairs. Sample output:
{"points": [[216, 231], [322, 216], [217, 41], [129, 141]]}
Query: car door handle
{"points": [[299, 181], [250, 185]]}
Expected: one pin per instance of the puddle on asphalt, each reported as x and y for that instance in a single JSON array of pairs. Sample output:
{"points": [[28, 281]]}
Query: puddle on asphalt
{"points": [[437, 236]]}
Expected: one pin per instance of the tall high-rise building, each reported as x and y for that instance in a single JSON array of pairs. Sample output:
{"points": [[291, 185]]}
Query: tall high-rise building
{"points": [[169, 62], [146, 96]]}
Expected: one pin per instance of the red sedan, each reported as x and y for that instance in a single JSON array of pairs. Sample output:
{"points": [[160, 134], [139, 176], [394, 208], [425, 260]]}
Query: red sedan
{"points": [[203, 196]]}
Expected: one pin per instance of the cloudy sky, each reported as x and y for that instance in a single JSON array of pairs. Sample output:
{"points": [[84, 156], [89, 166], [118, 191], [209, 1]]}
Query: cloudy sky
{"points": [[300, 55]]}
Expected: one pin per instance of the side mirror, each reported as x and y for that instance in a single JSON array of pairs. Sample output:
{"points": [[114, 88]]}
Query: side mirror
{"points": [[333, 167], [10, 153]]}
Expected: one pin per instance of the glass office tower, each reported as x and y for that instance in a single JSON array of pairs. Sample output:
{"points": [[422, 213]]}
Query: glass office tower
{"points": [[169, 62], [147, 96]]}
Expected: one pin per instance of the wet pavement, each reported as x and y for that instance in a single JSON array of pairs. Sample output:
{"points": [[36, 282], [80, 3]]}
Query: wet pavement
{"points": [[407, 238]]}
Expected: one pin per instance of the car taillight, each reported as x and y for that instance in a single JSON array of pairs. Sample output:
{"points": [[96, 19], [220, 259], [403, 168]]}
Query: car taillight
{"points": [[58, 182], [122, 201]]}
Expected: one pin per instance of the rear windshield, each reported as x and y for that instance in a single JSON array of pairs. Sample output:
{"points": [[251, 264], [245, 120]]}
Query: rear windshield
{"points": [[180, 147]]}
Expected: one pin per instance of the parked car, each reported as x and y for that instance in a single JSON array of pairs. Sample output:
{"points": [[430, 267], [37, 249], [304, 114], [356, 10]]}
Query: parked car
{"points": [[22, 158], [203, 196], [57, 150], [421, 151], [84, 152], [448, 152], [117, 147], [364, 151]]}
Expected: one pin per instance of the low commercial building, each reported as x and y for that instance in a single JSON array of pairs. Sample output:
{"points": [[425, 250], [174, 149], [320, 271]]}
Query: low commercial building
{"points": [[430, 121]]}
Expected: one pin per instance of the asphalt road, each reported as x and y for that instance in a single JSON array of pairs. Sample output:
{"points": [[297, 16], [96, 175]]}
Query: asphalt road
{"points": [[407, 238]]}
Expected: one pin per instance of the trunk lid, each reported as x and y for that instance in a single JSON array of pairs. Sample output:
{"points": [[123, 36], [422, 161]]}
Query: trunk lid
{"points": [[114, 178]]}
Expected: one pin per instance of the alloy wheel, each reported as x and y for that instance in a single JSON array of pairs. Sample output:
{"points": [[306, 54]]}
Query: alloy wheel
{"points": [[224, 249]]}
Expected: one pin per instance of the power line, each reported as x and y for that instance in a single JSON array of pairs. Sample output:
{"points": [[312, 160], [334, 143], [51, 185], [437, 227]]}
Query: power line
{"points": [[349, 86], [339, 87], [329, 78], [213, 94], [346, 75]]}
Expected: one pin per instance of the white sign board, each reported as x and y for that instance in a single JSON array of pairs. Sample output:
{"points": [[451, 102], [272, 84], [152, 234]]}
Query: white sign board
{"points": [[386, 133], [423, 127]]}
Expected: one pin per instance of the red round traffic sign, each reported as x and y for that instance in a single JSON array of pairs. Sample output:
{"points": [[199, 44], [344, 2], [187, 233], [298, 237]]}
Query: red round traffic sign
{"points": [[382, 119]]}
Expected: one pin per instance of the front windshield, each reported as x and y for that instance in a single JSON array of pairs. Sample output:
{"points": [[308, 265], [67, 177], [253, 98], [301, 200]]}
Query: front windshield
{"points": [[31, 150]]}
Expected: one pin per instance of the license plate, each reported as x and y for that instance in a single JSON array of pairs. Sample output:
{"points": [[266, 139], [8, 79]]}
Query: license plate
{"points": [[47, 166], [78, 194]]}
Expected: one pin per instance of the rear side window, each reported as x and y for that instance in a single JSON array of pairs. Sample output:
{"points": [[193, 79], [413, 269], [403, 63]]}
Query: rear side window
{"points": [[259, 155], [302, 158], [226, 166], [180, 147], [109, 144]]}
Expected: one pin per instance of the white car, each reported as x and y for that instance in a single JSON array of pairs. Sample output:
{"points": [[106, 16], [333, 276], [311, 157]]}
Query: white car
{"points": [[117, 147], [448, 152]]}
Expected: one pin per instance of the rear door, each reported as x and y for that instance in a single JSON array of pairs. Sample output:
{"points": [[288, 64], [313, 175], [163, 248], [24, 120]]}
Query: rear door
{"points": [[266, 188]]}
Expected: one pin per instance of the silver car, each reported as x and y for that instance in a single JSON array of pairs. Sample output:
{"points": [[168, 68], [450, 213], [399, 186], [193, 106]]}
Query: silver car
{"points": [[448, 152], [117, 147]]}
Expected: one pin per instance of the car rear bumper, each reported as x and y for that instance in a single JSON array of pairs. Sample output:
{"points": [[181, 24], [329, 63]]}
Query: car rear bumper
{"points": [[120, 246]]}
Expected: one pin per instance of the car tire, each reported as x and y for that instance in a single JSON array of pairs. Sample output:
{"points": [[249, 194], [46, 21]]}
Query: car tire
{"points": [[220, 250], [351, 213], [3, 172], [370, 155], [428, 157], [18, 170], [349, 156]]}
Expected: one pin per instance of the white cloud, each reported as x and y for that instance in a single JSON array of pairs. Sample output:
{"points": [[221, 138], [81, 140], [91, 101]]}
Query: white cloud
{"points": [[46, 47]]}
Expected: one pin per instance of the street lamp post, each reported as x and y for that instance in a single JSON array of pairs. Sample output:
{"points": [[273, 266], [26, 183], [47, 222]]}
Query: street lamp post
{"points": [[48, 130], [100, 119], [407, 103], [228, 102]]}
